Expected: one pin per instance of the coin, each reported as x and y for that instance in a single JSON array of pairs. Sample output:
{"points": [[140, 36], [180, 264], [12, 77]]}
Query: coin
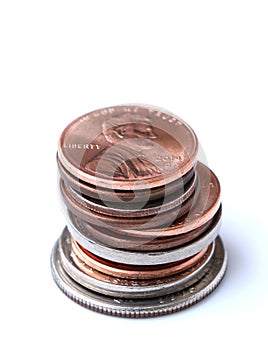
{"points": [[123, 241], [130, 209], [123, 196], [122, 287], [80, 208], [128, 147], [143, 215], [200, 207], [111, 268], [143, 307], [145, 258]]}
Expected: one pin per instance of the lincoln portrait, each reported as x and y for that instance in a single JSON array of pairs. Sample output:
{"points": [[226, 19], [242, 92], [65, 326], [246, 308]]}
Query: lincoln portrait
{"points": [[126, 149]]}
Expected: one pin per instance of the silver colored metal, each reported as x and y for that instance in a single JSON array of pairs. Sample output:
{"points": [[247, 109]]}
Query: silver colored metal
{"points": [[149, 307], [126, 288], [143, 258]]}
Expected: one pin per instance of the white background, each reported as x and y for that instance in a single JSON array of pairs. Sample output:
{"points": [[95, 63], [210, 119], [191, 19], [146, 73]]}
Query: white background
{"points": [[205, 61]]}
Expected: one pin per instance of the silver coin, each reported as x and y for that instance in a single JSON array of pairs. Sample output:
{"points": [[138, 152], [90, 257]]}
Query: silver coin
{"points": [[119, 287], [80, 234], [149, 307]]}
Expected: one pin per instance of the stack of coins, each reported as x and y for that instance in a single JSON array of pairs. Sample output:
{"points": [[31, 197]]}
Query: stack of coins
{"points": [[143, 214]]}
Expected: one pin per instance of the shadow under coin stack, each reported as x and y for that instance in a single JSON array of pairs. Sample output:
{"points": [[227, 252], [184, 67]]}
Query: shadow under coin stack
{"points": [[143, 215]]}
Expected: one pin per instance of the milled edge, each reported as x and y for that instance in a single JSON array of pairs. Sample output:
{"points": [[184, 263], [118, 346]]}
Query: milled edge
{"points": [[135, 313]]}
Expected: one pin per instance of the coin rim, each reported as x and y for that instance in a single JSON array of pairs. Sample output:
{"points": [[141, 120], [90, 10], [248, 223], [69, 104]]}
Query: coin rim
{"points": [[131, 213], [121, 184], [151, 257], [109, 194], [154, 226], [130, 308], [136, 291]]}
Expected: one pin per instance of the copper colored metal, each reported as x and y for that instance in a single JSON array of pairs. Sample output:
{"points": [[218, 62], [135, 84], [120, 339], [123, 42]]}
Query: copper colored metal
{"points": [[205, 205], [121, 240], [128, 147], [123, 196], [121, 223], [134, 271], [143, 215], [75, 267], [193, 213], [132, 210], [137, 298]]}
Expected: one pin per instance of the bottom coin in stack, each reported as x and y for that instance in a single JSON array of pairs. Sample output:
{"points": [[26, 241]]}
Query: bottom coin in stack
{"points": [[136, 298]]}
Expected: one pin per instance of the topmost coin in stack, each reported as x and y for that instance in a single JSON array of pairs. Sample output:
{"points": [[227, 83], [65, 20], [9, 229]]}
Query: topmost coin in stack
{"points": [[143, 215]]}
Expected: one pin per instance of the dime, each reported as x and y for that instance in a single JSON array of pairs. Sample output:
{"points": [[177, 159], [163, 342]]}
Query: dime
{"points": [[128, 147], [143, 307], [87, 259]]}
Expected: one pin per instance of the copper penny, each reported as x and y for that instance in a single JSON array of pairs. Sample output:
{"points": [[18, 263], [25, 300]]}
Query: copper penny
{"points": [[79, 209], [123, 196], [143, 215], [127, 242], [132, 271], [193, 213], [205, 206], [128, 147], [141, 209]]}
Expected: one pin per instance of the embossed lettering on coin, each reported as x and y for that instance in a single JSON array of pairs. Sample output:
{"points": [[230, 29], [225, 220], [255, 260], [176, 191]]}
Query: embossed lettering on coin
{"points": [[128, 147]]}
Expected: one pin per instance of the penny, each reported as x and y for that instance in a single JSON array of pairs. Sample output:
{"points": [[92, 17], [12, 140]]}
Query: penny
{"points": [[121, 287], [133, 271], [143, 215], [123, 196], [201, 206], [145, 258], [204, 208], [79, 208], [143, 307], [131, 209], [123, 241], [128, 147]]}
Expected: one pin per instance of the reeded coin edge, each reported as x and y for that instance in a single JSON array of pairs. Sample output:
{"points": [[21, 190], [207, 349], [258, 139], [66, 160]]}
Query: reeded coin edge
{"points": [[132, 292], [64, 282]]}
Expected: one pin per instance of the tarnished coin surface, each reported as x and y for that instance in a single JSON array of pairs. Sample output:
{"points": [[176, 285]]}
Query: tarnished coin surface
{"points": [[128, 147], [146, 307]]}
